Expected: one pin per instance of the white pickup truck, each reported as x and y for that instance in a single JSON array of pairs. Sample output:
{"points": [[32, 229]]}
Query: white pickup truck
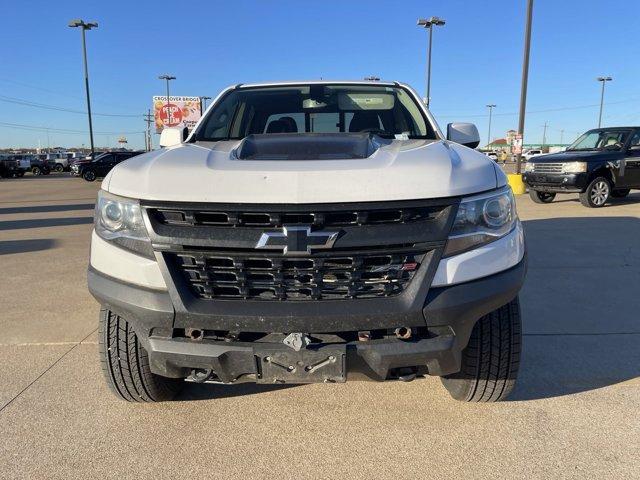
{"points": [[309, 232]]}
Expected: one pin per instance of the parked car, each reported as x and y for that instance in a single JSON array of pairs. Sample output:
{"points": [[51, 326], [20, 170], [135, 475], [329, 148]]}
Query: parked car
{"points": [[12, 166], [102, 165], [322, 230], [492, 155], [61, 164], [602, 163], [529, 154], [74, 166], [39, 166]]}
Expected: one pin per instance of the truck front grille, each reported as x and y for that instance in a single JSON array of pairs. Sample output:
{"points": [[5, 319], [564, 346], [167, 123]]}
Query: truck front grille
{"points": [[330, 276], [547, 167], [318, 218]]}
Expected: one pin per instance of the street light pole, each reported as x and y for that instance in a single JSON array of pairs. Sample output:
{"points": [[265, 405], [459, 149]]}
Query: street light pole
{"points": [[168, 78], [490, 107], [603, 80], [78, 23], [429, 23], [525, 78]]}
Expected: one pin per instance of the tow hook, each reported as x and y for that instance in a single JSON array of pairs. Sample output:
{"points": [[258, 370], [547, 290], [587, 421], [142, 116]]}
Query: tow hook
{"points": [[406, 374], [403, 333], [200, 375], [297, 341]]}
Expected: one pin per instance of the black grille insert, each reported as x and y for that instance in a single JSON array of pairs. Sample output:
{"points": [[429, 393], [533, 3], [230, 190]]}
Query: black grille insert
{"points": [[211, 275], [318, 219]]}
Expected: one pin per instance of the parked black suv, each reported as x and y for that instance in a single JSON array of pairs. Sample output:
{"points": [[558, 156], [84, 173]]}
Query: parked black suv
{"points": [[12, 166], [602, 163], [92, 169]]}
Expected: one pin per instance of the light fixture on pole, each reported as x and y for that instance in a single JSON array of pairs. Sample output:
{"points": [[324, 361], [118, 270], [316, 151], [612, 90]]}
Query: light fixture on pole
{"points": [[603, 80], [490, 107], [84, 26], [428, 23], [168, 78]]}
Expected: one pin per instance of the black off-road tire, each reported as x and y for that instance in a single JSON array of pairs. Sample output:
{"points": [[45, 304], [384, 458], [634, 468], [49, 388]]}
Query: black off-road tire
{"points": [[621, 193], [597, 193], [125, 363], [491, 359], [89, 175], [541, 197], [59, 168], [36, 171]]}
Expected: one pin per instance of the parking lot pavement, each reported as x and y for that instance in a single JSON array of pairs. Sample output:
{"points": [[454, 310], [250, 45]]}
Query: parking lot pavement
{"points": [[574, 414]]}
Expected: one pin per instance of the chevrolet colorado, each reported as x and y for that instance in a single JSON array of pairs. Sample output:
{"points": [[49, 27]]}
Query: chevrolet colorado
{"points": [[309, 232]]}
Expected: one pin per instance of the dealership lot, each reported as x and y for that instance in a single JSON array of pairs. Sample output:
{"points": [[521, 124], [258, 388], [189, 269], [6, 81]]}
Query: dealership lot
{"points": [[574, 412]]}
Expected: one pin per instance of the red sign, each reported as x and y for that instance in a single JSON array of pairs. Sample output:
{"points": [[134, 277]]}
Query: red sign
{"points": [[170, 114]]}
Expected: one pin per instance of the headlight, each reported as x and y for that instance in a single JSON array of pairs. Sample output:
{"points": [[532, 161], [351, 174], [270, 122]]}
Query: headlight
{"points": [[528, 167], [119, 220], [574, 167], [482, 219]]}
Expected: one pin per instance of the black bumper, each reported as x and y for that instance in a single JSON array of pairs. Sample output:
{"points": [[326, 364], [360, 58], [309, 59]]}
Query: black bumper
{"points": [[556, 182], [447, 318]]}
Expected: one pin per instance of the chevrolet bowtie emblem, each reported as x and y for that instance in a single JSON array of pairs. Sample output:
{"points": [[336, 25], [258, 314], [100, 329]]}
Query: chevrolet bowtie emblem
{"points": [[297, 240]]}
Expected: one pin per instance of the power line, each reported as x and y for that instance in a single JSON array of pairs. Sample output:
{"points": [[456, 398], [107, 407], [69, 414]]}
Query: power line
{"points": [[558, 109], [19, 126], [47, 90], [28, 103]]}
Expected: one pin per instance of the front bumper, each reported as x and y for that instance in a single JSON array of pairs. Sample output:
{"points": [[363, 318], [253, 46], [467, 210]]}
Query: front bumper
{"points": [[556, 182], [446, 319]]}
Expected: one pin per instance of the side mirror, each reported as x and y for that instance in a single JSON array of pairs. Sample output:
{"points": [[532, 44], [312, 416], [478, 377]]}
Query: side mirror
{"points": [[171, 136], [463, 133]]}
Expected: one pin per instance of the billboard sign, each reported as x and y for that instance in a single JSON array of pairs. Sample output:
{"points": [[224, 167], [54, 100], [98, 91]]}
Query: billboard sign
{"points": [[179, 112]]}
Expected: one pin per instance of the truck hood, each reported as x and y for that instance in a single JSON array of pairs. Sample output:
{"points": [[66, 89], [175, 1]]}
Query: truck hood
{"points": [[212, 172], [577, 155]]}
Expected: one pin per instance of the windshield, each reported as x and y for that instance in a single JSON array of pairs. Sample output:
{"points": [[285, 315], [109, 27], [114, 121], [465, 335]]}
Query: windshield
{"points": [[601, 140], [390, 112]]}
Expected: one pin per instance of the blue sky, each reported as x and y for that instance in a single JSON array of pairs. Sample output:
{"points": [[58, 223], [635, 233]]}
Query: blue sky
{"points": [[208, 45]]}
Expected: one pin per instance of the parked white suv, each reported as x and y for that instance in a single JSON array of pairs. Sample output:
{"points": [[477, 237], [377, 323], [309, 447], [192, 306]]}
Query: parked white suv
{"points": [[309, 232]]}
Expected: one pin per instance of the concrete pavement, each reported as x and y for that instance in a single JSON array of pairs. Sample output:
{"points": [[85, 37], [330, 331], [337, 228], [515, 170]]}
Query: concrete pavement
{"points": [[574, 414]]}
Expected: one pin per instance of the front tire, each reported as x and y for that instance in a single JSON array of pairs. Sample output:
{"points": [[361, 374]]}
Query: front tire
{"points": [[36, 171], [491, 359], [89, 175], [597, 193], [125, 363], [59, 168], [541, 197]]}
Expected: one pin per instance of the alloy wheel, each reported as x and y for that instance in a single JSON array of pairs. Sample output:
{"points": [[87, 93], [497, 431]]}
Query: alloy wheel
{"points": [[600, 193]]}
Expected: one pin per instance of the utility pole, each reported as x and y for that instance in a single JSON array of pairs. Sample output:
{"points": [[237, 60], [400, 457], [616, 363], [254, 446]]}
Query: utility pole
{"points": [[490, 107], [544, 134], [84, 27], [148, 118], [428, 24], [525, 78], [603, 80], [168, 78]]}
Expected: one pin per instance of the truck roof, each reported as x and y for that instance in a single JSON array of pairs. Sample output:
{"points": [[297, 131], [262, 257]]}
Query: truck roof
{"points": [[317, 82]]}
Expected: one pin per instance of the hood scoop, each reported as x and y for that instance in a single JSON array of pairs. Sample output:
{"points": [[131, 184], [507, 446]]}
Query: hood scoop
{"points": [[308, 146]]}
